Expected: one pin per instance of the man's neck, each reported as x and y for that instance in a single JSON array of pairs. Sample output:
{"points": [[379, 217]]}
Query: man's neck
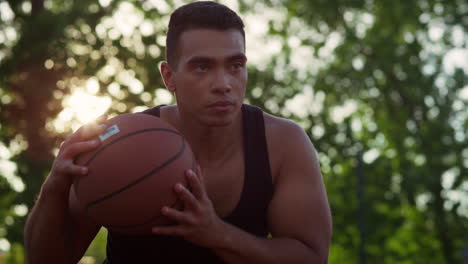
{"points": [[211, 144]]}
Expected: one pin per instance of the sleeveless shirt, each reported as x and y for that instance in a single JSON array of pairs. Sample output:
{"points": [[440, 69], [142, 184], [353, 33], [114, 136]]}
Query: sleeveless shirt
{"points": [[250, 214]]}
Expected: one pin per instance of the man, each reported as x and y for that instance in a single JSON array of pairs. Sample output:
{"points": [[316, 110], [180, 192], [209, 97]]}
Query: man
{"points": [[258, 174]]}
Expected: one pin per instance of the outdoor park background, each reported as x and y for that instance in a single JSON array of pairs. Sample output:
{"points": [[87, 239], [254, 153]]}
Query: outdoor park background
{"points": [[379, 86]]}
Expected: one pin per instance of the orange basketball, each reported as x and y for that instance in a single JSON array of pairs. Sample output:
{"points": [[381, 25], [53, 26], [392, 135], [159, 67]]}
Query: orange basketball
{"points": [[131, 176]]}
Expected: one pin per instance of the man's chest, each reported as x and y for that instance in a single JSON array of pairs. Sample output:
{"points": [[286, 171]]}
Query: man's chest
{"points": [[224, 184]]}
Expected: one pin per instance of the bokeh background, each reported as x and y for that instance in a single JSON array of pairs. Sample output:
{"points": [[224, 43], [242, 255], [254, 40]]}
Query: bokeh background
{"points": [[379, 86]]}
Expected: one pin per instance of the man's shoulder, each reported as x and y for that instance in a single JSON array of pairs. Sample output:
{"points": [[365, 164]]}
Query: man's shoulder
{"points": [[280, 126], [285, 138], [279, 130]]}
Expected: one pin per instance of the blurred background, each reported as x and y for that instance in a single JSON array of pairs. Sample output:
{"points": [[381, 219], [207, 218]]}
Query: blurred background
{"points": [[379, 86]]}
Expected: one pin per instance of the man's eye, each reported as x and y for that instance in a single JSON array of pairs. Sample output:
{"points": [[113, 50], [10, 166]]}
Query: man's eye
{"points": [[201, 67], [237, 66]]}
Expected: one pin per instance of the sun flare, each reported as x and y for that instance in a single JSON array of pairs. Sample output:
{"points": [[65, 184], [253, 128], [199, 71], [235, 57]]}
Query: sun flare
{"points": [[79, 108]]}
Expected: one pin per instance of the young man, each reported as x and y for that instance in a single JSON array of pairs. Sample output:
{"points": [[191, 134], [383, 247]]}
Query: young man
{"points": [[258, 173]]}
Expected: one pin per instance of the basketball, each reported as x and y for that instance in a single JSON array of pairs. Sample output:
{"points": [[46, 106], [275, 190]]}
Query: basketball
{"points": [[131, 176]]}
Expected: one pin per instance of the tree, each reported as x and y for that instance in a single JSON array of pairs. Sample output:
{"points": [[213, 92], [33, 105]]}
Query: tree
{"points": [[55, 47], [406, 114]]}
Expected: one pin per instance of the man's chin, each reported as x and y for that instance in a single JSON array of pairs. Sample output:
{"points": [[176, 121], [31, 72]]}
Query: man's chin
{"points": [[218, 122]]}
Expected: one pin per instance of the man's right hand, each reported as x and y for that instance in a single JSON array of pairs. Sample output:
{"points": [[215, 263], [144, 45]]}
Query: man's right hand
{"points": [[64, 169]]}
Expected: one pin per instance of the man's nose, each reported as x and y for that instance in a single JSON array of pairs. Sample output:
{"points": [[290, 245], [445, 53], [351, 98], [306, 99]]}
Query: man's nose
{"points": [[221, 82]]}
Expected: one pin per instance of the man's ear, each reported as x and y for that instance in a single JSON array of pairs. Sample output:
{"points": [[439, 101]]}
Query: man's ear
{"points": [[167, 74]]}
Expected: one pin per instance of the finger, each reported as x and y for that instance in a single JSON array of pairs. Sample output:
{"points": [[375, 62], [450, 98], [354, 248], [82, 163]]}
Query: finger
{"points": [[83, 134], [76, 169], [68, 167], [186, 196], [100, 119], [91, 130], [199, 173], [176, 215], [71, 151], [88, 131], [195, 184], [169, 230]]}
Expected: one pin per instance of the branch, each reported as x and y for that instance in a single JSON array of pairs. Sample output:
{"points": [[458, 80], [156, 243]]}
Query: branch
{"points": [[37, 6]]}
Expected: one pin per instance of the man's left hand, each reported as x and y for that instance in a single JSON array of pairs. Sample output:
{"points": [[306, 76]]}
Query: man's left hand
{"points": [[198, 222]]}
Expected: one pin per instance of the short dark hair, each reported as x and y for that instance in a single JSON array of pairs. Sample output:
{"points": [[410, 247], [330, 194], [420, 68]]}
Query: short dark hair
{"points": [[199, 15]]}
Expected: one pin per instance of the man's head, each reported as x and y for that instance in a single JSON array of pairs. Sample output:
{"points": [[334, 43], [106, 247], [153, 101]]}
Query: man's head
{"points": [[206, 63], [199, 15]]}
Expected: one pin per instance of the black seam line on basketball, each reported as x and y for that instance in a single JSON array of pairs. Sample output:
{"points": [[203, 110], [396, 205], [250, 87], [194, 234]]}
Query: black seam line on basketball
{"points": [[126, 136], [153, 218], [119, 139], [141, 178]]}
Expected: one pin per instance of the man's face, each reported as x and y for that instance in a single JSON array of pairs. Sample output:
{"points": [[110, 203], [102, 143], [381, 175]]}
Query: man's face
{"points": [[211, 76]]}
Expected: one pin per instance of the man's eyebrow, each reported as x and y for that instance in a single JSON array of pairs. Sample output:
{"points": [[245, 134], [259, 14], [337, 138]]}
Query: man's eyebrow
{"points": [[199, 59], [204, 59], [239, 56]]}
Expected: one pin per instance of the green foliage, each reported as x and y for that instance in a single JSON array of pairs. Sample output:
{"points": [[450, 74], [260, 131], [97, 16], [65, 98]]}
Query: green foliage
{"points": [[97, 248], [386, 65], [16, 254]]}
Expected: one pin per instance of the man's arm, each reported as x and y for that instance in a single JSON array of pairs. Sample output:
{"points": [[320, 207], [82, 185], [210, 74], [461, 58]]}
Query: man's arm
{"points": [[299, 215], [56, 232]]}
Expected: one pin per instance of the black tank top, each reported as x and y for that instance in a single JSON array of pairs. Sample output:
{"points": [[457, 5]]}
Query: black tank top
{"points": [[249, 215]]}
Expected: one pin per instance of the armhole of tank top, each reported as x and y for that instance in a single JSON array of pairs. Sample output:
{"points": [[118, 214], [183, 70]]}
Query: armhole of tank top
{"points": [[258, 180], [262, 167], [256, 125], [155, 111]]}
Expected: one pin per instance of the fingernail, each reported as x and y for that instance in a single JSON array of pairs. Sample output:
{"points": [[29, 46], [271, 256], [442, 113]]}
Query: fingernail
{"points": [[101, 126], [84, 170]]}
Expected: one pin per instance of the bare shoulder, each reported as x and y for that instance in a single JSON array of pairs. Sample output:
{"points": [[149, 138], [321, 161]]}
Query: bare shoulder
{"points": [[285, 139], [280, 127], [168, 113]]}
